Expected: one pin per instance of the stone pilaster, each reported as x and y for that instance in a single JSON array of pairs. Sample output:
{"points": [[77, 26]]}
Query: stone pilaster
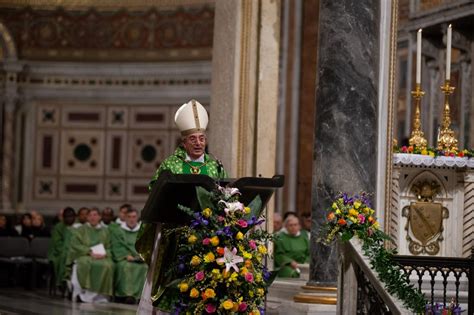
{"points": [[8, 154], [346, 115]]}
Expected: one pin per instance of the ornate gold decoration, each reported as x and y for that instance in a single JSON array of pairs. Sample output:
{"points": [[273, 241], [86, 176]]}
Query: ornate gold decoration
{"points": [[417, 137], [195, 169], [425, 219], [446, 140]]}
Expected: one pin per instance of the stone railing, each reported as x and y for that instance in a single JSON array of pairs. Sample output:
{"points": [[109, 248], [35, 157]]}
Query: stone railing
{"points": [[359, 290]]}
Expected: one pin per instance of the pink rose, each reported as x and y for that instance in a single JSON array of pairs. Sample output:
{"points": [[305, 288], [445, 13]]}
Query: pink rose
{"points": [[220, 218], [249, 277], [199, 276], [206, 241], [210, 308], [361, 218], [252, 244], [242, 307], [242, 223]]}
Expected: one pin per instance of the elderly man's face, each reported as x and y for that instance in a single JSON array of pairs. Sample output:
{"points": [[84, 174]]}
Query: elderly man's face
{"points": [[293, 225], [194, 144]]}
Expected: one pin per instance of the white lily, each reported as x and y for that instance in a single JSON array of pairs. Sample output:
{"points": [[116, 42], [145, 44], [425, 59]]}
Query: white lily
{"points": [[229, 191], [230, 259], [232, 206]]}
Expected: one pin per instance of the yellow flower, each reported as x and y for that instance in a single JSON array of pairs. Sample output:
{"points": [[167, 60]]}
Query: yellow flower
{"points": [[353, 219], [215, 241], [431, 154], [195, 261], [338, 211], [255, 312], [207, 212], [194, 293], [258, 277], [216, 274], [357, 204], [243, 270], [246, 255], [239, 236], [209, 293], [260, 291], [334, 205], [247, 210], [353, 212], [262, 249], [227, 304], [183, 287], [233, 277], [209, 257], [424, 152], [376, 225], [251, 294], [192, 239]]}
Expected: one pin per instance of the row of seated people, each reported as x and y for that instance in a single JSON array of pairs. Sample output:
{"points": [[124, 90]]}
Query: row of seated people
{"points": [[30, 225], [95, 258]]}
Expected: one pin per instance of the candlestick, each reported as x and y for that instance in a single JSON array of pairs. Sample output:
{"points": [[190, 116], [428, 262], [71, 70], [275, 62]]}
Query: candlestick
{"points": [[418, 57], [417, 138], [448, 52], [447, 141]]}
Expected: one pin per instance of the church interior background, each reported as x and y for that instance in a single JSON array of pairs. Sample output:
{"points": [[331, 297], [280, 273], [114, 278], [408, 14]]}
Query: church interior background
{"points": [[89, 90]]}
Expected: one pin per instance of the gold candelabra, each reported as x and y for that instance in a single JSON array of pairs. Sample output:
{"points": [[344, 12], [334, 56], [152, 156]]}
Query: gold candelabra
{"points": [[417, 137], [446, 140]]}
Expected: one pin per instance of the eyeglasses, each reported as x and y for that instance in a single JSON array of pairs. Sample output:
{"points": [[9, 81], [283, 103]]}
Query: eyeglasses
{"points": [[195, 140]]}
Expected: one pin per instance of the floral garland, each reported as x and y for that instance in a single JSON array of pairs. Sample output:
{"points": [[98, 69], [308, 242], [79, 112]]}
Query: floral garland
{"points": [[221, 257], [351, 216], [412, 149]]}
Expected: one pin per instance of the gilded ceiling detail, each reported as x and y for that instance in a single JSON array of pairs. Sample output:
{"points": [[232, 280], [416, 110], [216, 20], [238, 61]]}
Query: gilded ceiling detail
{"points": [[120, 35]]}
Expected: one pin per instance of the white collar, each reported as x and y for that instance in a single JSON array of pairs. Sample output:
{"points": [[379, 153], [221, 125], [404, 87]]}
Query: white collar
{"points": [[98, 226], [284, 230], [124, 226], [199, 159]]}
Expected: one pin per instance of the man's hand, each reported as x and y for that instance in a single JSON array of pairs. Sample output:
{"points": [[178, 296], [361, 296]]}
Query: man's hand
{"points": [[98, 256], [294, 264], [130, 258]]}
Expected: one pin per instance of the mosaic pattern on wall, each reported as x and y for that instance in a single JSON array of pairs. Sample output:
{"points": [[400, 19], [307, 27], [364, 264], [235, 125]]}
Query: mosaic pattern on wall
{"points": [[100, 152], [154, 35]]}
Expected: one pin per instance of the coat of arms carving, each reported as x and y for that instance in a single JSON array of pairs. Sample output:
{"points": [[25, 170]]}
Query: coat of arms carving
{"points": [[425, 219]]}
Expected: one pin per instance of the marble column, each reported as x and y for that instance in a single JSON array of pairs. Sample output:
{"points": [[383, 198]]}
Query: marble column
{"points": [[8, 151], [345, 144]]}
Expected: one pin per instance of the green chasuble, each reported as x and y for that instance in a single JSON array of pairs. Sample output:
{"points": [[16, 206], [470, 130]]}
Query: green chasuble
{"points": [[168, 245], [129, 276], [289, 248], [57, 253], [95, 275]]}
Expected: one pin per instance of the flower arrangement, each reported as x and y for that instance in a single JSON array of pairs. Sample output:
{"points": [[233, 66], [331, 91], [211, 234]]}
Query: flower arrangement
{"points": [[221, 256], [351, 216], [440, 309], [432, 151]]}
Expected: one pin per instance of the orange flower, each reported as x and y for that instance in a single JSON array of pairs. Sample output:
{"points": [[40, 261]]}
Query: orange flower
{"points": [[220, 251], [248, 263], [341, 222], [371, 219], [331, 216], [410, 149]]}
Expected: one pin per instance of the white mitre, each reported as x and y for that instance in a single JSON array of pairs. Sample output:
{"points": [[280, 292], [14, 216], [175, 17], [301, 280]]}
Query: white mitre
{"points": [[191, 117]]}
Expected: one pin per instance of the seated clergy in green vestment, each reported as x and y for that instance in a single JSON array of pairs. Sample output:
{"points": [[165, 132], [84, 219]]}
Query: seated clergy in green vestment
{"points": [[93, 268], [130, 269], [60, 240], [189, 158], [291, 248]]}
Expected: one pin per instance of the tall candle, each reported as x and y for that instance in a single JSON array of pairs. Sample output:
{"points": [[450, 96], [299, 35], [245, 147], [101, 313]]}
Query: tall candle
{"points": [[418, 57], [448, 52]]}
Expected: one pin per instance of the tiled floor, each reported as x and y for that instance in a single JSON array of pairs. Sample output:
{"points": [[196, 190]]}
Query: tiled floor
{"points": [[22, 302]]}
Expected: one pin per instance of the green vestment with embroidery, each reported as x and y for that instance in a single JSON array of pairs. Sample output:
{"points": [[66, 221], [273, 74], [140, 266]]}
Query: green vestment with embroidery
{"points": [[163, 298]]}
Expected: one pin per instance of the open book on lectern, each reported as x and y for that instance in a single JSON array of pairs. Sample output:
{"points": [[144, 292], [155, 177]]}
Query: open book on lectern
{"points": [[171, 190]]}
